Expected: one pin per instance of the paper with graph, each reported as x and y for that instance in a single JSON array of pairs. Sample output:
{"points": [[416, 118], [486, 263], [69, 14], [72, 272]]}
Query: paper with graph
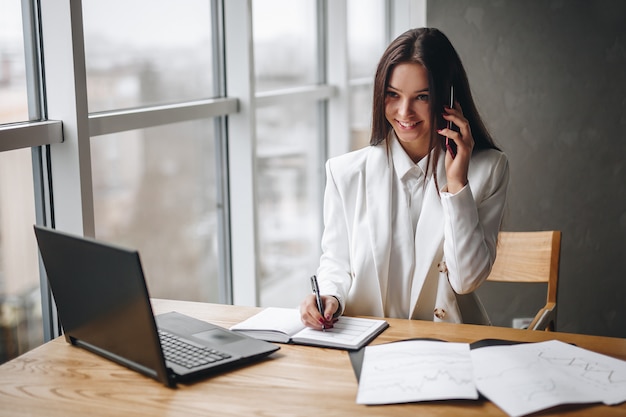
{"points": [[525, 378], [520, 378], [416, 370]]}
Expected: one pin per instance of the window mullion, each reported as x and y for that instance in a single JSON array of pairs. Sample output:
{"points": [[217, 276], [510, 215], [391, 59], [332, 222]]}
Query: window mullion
{"points": [[29, 134], [239, 59], [337, 76], [225, 283], [66, 100], [104, 123]]}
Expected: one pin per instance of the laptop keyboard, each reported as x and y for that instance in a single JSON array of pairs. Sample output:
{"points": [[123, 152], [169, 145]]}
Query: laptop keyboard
{"points": [[186, 354]]}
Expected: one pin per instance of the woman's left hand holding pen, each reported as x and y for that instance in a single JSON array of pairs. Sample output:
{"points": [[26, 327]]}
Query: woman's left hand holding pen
{"points": [[310, 315]]}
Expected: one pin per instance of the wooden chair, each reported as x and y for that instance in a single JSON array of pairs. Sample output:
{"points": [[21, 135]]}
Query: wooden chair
{"points": [[531, 257]]}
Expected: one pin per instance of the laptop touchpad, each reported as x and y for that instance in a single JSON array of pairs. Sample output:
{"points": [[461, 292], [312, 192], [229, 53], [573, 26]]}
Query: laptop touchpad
{"points": [[217, 336]]}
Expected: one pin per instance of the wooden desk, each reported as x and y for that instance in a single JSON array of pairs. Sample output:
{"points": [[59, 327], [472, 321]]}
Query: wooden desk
{"points": [[57, 379]]}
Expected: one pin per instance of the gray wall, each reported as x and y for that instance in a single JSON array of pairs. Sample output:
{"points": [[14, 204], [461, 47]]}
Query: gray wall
{"points": [[550, 80]]}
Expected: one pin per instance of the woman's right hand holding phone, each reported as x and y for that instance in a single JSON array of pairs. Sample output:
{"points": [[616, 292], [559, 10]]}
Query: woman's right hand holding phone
{"points": [[457, 166]]}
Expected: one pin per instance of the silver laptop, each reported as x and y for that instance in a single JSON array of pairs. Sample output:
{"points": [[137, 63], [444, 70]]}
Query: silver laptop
{"points": [[104, 307]]}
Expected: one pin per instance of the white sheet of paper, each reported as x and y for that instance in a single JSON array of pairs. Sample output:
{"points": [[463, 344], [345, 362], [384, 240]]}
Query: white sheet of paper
{"points": [[416, 370], [525, 378]]}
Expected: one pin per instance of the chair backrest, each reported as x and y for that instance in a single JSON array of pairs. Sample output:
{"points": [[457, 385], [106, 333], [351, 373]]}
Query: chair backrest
{"points": [[529, 257]]}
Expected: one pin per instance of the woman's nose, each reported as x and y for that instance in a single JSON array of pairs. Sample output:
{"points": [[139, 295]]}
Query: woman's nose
{"points": [[404, 107]]}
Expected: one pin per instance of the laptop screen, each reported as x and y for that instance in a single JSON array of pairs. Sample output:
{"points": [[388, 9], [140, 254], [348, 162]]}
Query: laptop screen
{"points": [[102, 299]]}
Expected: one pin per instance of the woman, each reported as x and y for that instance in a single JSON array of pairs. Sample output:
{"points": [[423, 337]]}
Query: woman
{"points": [[411, 223]]}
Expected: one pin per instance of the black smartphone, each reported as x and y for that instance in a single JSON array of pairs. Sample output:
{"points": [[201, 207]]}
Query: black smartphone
{"points": [[450, 145]]}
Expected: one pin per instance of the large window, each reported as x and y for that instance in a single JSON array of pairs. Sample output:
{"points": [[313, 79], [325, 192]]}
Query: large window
{"points": [[287, 150], [195, 132], [156, 189]]}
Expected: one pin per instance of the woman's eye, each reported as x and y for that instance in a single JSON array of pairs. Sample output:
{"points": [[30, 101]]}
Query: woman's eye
{"points": [[422, 97], [392, 94]]}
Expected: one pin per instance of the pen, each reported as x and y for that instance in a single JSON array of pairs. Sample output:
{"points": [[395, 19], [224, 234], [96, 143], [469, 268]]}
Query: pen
{"points": [[318, 298]]}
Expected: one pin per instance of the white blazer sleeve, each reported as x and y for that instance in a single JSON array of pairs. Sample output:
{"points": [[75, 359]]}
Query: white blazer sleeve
{"points": [[472, 219], [334, 271]]}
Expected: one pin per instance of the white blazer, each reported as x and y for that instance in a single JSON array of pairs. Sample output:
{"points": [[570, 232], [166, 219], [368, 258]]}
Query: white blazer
{"points": [[455, 237]]}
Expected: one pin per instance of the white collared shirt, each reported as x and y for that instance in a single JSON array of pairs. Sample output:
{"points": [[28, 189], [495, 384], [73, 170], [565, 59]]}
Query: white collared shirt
{"points": [[410, 182]]}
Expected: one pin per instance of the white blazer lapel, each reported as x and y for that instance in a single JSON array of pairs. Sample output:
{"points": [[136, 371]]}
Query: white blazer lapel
{"points": [[430, 230], [379, 177]]}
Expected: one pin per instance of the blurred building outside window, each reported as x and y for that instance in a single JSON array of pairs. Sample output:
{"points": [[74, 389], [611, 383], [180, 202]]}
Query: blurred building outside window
{"points": [[20, 299], [367, 40], [288, 213], [155, 189]]}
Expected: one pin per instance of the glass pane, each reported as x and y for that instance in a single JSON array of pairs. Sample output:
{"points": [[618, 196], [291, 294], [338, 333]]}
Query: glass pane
{"points": [[285, 46], [288, 195], [13, 95], [146, 52], [366, 36], [155, 191], [360, 116], [367, 41], [21, 326]]}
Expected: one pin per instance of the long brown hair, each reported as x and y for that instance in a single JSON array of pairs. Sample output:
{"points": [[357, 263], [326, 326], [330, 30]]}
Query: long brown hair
{"points": [[430, 48]]}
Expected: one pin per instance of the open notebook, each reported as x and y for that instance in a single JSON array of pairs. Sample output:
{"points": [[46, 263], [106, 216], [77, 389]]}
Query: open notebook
{"points": [[283, 325]]}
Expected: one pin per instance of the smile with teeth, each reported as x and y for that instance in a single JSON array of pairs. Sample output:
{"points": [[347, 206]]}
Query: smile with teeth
{"points": [[407, 124]]}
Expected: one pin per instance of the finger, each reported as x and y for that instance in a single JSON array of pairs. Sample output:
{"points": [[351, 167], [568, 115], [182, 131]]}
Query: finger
{"points": [[449, 133], [330, 307], [309, 314], [462, 137], [454, 117], [456, 108], [315, 321]]}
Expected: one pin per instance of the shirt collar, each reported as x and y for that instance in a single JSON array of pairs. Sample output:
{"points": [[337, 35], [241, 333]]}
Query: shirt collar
{"points": [[402, 162]]}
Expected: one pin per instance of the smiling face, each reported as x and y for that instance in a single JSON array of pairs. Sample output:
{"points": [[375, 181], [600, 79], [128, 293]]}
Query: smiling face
{"points": [[407, 108]]}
